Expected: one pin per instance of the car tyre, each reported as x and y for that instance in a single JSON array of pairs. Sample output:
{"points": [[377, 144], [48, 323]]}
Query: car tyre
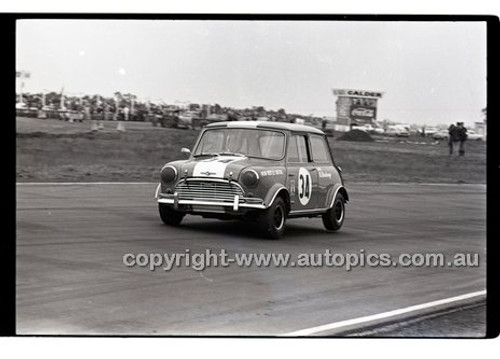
{"points": [[272, 221], [334, 217], [170, 216]]}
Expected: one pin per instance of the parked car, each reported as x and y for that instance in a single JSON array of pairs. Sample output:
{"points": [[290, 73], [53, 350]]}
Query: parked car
{"points": [[185, 119], [265, 172], [369, 129], [391, 131], [441, 135], [444, 135], [403, 133], [430, 131], [474, 136], [397, 131], [366, 128]]}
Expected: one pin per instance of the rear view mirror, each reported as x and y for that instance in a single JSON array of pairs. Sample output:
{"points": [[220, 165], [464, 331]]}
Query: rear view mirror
{"points": [[186, 151]]}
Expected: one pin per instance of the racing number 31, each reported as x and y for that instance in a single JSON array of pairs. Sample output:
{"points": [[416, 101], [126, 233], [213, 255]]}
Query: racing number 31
{"points": [[305, 186]]}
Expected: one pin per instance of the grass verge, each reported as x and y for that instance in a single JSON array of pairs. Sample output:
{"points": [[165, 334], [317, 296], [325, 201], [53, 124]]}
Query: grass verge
{"points": [[51, 150]]}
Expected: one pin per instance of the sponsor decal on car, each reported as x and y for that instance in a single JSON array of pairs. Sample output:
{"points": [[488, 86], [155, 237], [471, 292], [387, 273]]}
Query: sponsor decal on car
{"points": [[271, 172], [323, 174]]}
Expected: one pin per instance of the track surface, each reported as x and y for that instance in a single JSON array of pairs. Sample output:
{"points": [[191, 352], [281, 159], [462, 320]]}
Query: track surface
{"points": [[71, 279]]}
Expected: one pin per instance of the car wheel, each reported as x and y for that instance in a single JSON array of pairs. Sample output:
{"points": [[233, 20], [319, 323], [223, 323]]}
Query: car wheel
{"points": [[273, 219], [170, 216], [334, 217]]}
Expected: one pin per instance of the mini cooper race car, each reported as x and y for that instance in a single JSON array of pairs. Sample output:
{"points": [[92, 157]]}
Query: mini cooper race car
{"points": [[265, 172]]}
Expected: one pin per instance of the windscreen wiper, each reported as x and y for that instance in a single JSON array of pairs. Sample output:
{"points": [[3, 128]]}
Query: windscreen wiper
{"points": [[232, 154], [209, 154]]}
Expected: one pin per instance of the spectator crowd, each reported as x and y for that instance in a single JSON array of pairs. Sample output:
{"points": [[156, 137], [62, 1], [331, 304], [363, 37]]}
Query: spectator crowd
{"points": [[126, 107]]}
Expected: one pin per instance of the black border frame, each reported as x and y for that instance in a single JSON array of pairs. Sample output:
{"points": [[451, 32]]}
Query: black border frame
{"points": [[8, 245]]}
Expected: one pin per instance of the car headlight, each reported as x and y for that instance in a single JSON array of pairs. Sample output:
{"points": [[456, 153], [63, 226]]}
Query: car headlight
{"points": [[168, 174], [250, 178]]}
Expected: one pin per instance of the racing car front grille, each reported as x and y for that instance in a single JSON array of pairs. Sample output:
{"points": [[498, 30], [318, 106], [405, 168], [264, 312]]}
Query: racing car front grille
{"points": [[208, 190]]}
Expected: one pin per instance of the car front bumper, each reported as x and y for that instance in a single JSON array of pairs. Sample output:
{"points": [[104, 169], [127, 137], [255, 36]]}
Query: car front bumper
{"points": [[236, 205], [207, 204]]}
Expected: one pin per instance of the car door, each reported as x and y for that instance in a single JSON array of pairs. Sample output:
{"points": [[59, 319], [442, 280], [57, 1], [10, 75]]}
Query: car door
{"points": [[325, 170], [302, 179]]}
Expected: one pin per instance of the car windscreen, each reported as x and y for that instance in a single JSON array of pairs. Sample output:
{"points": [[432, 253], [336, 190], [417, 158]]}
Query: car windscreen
{"points": [[246, 142]]}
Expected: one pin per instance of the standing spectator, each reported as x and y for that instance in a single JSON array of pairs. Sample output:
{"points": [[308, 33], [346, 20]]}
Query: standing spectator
{"points": [[451, 137], [458, 136], [79, 112], [106, 111], [100, 116], [462, 137], [93, 118], [121, 117], [87, 116], [112, 112]]}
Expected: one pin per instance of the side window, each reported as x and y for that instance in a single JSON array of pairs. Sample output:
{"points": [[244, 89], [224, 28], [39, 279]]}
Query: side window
{"points": [[319, 149], [297, 149], [272, 145]]}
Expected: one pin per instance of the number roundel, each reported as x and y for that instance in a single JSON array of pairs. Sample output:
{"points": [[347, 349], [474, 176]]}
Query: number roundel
{"points": [[304, 186]]}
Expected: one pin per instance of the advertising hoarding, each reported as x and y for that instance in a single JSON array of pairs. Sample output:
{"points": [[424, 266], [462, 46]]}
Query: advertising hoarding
{"points": [[363, 113]]}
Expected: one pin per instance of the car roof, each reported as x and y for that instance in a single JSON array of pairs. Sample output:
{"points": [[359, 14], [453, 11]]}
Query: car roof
{"points": [[266, 125]]}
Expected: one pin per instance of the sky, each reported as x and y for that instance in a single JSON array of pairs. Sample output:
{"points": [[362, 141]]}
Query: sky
{"points": [[430, 72]]}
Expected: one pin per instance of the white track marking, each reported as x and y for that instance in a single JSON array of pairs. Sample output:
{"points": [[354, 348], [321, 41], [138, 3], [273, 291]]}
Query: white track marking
{"points": [[392, 313]]}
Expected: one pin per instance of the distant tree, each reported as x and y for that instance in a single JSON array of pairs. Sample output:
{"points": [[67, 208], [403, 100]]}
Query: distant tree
{"points": [[260, 110], [53, 98], [282, 114]]}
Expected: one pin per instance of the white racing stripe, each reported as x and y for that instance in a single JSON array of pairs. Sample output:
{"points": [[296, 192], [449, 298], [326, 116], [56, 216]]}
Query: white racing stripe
{"points": [[214, 167], [385, 315]]}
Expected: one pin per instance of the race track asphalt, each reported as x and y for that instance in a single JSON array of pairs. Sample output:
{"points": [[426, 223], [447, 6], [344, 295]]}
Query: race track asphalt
{"points": [[71, 279]]}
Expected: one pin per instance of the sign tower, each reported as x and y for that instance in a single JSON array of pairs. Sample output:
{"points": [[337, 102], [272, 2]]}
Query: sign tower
{"points": [[356, 107]]}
